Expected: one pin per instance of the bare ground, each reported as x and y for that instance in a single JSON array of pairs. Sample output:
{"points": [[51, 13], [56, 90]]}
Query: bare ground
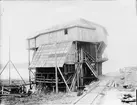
{"points": [[110, 96], [42, 99]]}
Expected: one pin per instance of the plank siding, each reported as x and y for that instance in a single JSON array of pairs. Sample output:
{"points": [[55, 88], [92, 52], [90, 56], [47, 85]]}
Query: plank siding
{"points": [[58, 36], [89, 35], [70, 59], [75, 33]]}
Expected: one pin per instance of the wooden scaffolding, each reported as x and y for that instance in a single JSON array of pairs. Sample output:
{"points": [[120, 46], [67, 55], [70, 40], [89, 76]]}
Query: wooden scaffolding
{"points": [[72, 75]]}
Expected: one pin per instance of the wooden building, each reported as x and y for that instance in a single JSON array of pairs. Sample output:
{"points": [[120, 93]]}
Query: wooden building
{"points": [[75, 49]]}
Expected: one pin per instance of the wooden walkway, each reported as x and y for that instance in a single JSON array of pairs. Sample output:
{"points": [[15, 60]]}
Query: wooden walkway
{"points": [[92, 96]]}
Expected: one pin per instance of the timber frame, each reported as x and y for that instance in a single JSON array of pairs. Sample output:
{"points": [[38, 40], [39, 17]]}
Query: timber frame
{"points": [[70, 77]]}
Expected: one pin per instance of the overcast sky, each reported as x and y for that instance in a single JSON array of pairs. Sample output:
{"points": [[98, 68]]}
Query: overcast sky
{"points": [[22, 19]]}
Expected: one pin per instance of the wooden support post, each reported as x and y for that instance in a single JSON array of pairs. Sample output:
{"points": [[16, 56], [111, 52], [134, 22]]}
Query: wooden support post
{"points": [[30, 78], [29, 62], [76, 64], [85, 72], [76, 52], [65, 71], [78, 76], [81, 67], [56, 77], [63, 79], [56, 72], [96, 64]]}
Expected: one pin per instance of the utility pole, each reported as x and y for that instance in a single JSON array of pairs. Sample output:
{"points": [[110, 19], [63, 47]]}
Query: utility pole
{"points": [[9, 62], [136, 6], [1, 11]]}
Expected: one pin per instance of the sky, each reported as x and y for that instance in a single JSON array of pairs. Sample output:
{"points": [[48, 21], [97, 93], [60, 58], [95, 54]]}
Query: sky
{"points": [[21, 19]]}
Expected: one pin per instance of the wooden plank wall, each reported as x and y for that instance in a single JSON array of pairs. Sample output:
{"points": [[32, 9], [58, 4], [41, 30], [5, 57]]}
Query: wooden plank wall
{"points": [[89, 35], [75, 33], [58, 36], [71, 55]]}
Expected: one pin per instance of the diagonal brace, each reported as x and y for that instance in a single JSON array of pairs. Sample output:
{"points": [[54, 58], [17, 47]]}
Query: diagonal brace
{"points": [[63, 79]]}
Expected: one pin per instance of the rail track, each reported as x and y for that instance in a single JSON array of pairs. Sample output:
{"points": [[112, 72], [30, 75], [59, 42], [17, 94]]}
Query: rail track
{"points": [[100, 93], [90, 97]]}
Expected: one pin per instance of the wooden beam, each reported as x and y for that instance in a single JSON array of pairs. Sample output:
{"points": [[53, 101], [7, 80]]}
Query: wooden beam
{"points": [[65, 71], [96, 64], [29, 62], [81, 66], [63, 79], [76, 52], [77, 64], [73, 86], [73, 82], [56, 72], [77, 76]]}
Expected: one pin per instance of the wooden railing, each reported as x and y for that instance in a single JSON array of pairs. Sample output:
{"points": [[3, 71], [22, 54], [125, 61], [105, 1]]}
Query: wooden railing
{"points": [[90, 61], [91, 67], [87, 55]]}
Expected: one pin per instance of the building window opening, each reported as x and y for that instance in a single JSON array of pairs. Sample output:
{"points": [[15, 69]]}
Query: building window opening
{"points": [[66, 31]]}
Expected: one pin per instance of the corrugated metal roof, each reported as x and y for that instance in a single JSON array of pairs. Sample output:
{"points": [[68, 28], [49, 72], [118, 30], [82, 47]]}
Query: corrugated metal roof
{"points": [[78, 22], [45, 55]]}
